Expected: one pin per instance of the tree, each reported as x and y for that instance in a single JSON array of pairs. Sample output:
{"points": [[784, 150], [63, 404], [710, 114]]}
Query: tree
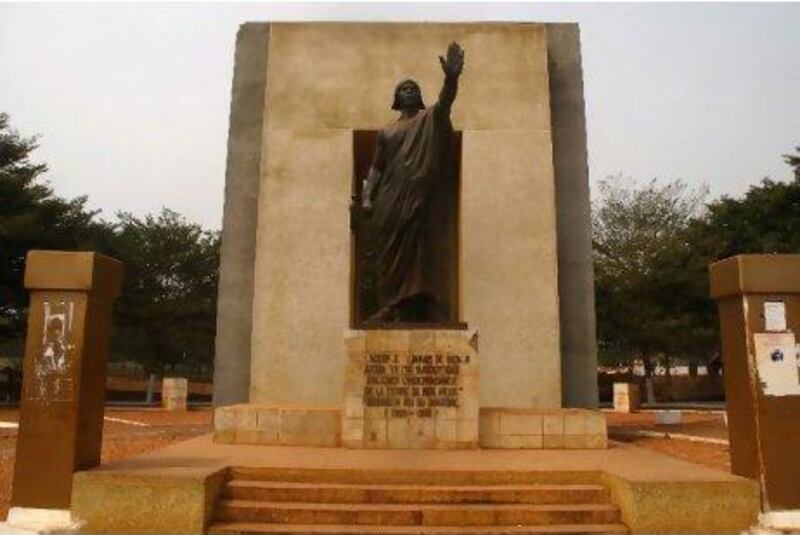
{"points": [[765, 220], [793, 161], [639, 250], [32, 217], [166, 314]]}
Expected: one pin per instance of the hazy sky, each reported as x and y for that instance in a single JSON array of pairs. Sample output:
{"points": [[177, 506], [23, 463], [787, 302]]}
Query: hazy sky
{"points": [[131, 101]]}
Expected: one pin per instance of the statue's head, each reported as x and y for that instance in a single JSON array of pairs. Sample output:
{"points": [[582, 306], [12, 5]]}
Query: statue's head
{"points": [[407, 95]]}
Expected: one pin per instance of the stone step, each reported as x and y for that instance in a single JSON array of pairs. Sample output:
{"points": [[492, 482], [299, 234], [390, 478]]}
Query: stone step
{"points": [[538, 493], [415, 514], [239, 528], [372, 475]]}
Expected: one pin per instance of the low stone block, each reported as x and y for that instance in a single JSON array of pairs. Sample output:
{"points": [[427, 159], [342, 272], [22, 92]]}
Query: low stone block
{"points": [[467, 432], [574, 423], [584, 442], [423, 432], [526, 442], [668, 417], [627, 397], [225, 436], [273, 425], [397, 433], [353, 431], [174, 393], [446, 430], [553, 424], [224, 418], [513, 423], [310, 427], [375, 433], [253, 436], [489, 428], [354, 407], [596, 423], [552, 442], [268, 423], [408, 381], [534, 429]]}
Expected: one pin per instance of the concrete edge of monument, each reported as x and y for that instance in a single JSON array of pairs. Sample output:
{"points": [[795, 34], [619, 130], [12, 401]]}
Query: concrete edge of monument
{"points": [[176, 489]]}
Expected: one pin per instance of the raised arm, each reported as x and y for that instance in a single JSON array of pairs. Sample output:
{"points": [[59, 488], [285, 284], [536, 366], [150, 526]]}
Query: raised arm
{"points": [[452, 67], [373, 176]]}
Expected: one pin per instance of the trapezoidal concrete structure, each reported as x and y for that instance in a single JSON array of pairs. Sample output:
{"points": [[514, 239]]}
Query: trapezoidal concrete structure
{"points": [[300, 91]]}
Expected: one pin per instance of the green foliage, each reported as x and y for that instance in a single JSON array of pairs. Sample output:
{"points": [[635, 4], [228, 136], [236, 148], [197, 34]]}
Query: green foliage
{"points": [[31, 217], [166, 314], [766, 220], [793, 161], [640, 256], [652, 247]]}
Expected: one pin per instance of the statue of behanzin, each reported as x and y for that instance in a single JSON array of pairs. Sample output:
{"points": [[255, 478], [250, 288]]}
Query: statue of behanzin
{"points": [[410, 157]]}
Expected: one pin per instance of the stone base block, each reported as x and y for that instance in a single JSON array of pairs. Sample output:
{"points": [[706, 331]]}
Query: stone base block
{"points": [[174, 393], [33, 521], [627, 397], [411, 389], [278, 425], [514, 428], [669, 417]]}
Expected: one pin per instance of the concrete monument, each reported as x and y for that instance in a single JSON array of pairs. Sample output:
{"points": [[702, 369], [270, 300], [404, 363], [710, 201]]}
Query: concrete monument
{"points": [[357, 422], [301, 144]]}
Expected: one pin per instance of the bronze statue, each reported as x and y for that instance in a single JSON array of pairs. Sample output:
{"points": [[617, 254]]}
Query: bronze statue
{"points": [[409, 159]]}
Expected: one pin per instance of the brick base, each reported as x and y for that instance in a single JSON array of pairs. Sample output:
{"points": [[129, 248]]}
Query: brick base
{"points": [[512, 428]]}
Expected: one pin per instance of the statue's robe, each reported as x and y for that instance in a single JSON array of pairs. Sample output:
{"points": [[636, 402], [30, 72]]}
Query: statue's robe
{"points": [[414, 153]]}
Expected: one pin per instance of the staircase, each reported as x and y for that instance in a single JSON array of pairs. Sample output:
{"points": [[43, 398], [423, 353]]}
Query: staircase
{"points": [[412, 502]]}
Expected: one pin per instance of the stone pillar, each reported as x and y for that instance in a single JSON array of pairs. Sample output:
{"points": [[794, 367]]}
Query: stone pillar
{"points": [[759, 312], [174, 393], [573, 220], [240, 216], [64, 374]]}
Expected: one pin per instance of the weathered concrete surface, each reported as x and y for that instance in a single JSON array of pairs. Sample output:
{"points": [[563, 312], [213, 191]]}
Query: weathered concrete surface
{"points": [[508, 216], [242, 178], [575, 270], [405, 411], [64, 373], [552, 429], [174, 489]]}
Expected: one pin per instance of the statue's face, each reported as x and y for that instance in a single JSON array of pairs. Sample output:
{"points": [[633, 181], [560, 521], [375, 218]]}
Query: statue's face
{"points": [[408, 96]]}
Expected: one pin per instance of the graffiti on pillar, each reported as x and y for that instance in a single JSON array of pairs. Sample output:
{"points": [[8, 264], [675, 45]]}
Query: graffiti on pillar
{"points": [[52, 377]]}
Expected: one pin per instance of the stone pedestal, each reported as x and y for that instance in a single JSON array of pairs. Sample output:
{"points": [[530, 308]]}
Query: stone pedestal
{"points": [[627, 397], [174, 393], [532, 429], [411, 389], [275, 425], [61, 411], [759, 312]]}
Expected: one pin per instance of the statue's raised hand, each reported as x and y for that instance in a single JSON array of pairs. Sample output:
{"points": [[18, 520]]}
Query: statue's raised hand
{"points": [[454, 63]]}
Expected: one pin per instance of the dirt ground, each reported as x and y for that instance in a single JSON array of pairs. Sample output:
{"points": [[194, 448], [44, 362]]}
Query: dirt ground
{"points": [[704, 424], [126, 432], [129, 432]]}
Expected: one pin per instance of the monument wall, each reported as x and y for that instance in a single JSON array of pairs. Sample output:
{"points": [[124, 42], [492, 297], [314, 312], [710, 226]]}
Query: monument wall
{"points": [[325, 80]]}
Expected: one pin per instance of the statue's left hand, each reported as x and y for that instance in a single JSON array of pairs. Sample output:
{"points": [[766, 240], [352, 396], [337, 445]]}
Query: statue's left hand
{"points": [[454, 63]]}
